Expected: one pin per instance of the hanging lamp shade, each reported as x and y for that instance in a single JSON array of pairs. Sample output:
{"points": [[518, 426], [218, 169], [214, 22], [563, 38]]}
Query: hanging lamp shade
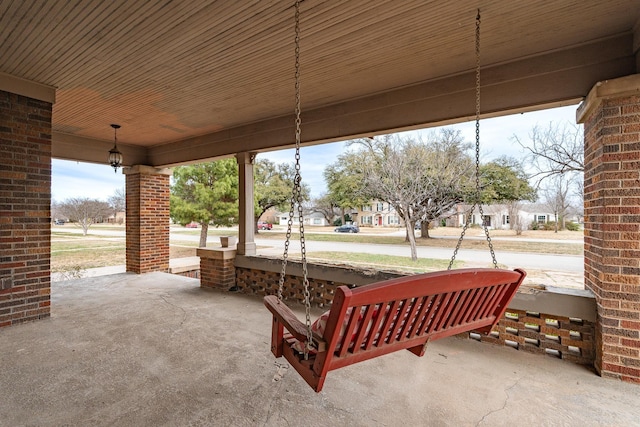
{"points": [[115, 156]]}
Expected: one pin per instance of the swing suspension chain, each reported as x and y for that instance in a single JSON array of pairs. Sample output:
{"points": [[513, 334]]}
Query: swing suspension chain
{"points": [[477, 201], [296, 197]]}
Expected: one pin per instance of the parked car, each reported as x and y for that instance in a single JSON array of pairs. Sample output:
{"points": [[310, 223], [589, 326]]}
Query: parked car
{"points": [[347, 228], [264, 225], [59, 222], [192, 224]]}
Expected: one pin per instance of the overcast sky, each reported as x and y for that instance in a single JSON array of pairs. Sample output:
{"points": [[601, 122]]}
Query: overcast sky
{"points": [[76, 179]]}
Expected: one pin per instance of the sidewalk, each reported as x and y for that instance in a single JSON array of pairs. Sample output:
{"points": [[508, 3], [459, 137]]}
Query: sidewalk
{"points": [[174, 264]]}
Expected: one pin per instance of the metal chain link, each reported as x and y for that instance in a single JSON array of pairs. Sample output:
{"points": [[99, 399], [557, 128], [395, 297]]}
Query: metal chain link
{"points": [[296, 198], [477, 201]]}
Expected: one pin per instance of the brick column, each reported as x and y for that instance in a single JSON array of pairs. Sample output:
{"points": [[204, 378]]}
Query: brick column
{"points": [[217, 269], [25, 208], [611, 117], [147, 219]]}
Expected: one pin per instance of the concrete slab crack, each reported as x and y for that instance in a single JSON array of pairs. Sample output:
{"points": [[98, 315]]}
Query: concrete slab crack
{"points": [[275, 402], [504, 404], [163, 298]]}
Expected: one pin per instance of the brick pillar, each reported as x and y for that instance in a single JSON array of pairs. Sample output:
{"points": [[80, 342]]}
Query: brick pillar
{"points": [[217, 269], [611, 117], [147, 219], [25, 208]]}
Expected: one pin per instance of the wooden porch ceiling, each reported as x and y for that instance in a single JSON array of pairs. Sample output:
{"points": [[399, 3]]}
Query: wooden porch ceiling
{"points": [[192, 80]]}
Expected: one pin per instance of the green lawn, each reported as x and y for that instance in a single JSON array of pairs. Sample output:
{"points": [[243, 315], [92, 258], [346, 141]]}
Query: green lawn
{"points": [[515, 245], [391, 262]]}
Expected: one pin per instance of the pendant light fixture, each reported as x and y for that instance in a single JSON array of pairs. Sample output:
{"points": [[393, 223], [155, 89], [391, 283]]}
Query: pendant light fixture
{"points": [[115, 156]]}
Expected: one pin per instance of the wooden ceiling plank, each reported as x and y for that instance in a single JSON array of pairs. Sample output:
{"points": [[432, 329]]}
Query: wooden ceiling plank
{"points": [[44, 47], [217, 56], [124, 85], [22, 32], [111, 54], [90, 56], [76, 28], [13, 12]]}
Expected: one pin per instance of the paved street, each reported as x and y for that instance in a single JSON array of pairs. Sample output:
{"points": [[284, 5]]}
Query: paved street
{"points": [[568, 263]]}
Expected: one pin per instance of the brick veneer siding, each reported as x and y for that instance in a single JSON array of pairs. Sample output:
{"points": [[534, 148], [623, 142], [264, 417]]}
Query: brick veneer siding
{"points": [[25, 209], [612, 232], [147, 220]]}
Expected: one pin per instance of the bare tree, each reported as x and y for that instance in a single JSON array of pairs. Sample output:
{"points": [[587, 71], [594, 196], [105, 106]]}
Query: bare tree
{"points": [[516, 221], [419, 180], [84, 211], [117, 202], [56, 213], [556, 196], [555, 150], [556, 156], [578, 193], [325, 206], [447, 173]]}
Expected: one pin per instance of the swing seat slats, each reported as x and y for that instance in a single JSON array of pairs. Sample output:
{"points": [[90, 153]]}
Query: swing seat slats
{"points": [[397, 314]]}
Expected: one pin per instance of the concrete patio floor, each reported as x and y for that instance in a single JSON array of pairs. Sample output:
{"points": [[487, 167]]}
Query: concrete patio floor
{"points": [[156, 350]]}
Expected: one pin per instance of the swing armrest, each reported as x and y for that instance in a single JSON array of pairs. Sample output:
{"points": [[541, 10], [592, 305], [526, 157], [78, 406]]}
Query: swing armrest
{"points": [[284, 315], [296, 328]]}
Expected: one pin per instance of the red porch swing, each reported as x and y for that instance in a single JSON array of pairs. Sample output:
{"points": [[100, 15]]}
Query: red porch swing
{"points": [[397, 314]]}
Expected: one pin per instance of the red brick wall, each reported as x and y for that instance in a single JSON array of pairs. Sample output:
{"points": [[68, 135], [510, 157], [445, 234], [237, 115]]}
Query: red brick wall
{"points": [[147, 220], [217, 273], [612, 233], [25, 209]]}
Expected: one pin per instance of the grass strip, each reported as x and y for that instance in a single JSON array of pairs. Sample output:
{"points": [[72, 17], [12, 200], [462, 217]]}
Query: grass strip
{"points": [[394, 262], [499, 245]]}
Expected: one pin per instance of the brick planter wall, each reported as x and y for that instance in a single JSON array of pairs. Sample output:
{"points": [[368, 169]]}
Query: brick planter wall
{"points": [[612, 223], [25, 208], [216, 268], [569, 336], [260, 276], [147, 219]]}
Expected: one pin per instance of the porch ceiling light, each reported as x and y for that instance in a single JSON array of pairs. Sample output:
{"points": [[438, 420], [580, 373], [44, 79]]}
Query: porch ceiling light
{"points": [[115, 156]]}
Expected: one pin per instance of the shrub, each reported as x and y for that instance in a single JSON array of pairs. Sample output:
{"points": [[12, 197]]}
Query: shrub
{"points": [[572, 226]]}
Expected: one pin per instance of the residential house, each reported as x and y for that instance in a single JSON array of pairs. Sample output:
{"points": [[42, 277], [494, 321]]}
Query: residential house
{"points": [[377, 214], [499, 216], [314, 219]]}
